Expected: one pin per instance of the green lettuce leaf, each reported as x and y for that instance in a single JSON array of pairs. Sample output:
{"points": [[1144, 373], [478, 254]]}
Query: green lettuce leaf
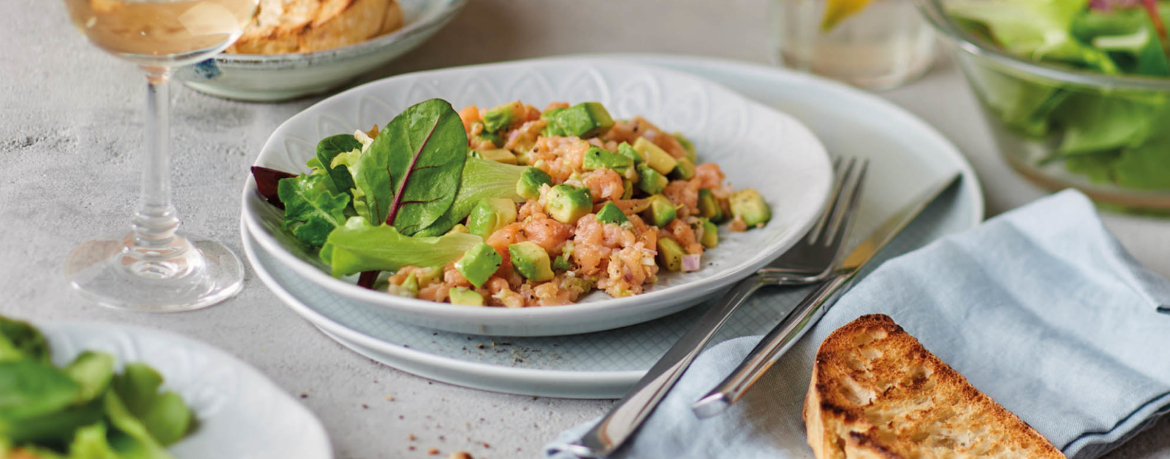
{"points": [[311, 208], [1128, 37], [21, 341], [481, 179], [411, 172], [1023, 105], [164, 415], [1037, 29], [55, 427], [349, 162], [93, 372], [31, 388], [1146, 166], [135, 441], [1095, 123], [1098, 167], [328, 149], [359, 246], [90, 443]]}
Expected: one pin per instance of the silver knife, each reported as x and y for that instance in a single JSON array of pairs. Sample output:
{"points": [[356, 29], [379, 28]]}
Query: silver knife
{"points": [[797, 323]]}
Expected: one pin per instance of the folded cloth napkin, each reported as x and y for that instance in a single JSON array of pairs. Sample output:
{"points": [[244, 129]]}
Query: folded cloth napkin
{"points": [[1040, 308]]}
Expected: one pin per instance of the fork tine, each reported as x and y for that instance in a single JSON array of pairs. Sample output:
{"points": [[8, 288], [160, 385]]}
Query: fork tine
{"points": [[818, 229], [849, 207], [833, 213]]}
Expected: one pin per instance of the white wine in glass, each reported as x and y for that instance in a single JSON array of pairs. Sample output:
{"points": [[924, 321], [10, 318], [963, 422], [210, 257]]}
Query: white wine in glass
{"points": [[153, 267]]}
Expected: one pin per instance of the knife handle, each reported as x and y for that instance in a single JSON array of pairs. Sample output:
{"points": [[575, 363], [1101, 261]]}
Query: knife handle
{"points": [[771, 347]]}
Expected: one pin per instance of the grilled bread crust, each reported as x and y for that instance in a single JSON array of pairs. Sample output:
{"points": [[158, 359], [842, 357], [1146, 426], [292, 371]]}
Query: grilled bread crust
{"points": [[302, 26], [877, 393]]}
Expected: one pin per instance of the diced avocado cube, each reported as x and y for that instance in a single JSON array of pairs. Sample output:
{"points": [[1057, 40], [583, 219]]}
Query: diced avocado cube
{"points": [[524, 157], [709, 206], [660, 212], [490, 215], [427, 276], [656, 157], [549, 115], [495, 138], [528, 187], [479, 263], [684, 170], [599, 158], [464, 296], [670, 254], [610, 213], [551, 128], [687, 145], [567, 204], [409, 287], [562, 263], [628, 151], [710, 237], [498, 155], [749, 206], [584, 120], [650, 181], [628, 188], [501, 116], [531, 261]]}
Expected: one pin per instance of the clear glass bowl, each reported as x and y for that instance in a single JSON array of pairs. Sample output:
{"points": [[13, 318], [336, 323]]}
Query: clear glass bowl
{"points": [[1060, 127]]}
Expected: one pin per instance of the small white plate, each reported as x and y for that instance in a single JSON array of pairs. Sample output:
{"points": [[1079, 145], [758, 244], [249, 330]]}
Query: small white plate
{"points": [[756, 147], [907, 155], [241, 413]]}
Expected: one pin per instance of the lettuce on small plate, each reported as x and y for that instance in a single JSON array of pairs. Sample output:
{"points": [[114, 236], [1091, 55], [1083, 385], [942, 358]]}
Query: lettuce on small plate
{"points": [[756, 147], [237, 411]]}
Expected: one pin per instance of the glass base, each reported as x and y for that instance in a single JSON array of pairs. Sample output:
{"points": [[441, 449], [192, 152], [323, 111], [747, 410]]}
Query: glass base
{"points": [[188, 274]]}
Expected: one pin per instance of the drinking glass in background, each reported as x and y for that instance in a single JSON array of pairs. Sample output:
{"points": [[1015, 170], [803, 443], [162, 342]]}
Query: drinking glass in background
{"points": [[153, 267], [879, 44]]}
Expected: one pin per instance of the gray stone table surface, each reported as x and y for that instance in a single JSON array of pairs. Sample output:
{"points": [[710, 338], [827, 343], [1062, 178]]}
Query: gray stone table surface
{"points": [[71, 122]]}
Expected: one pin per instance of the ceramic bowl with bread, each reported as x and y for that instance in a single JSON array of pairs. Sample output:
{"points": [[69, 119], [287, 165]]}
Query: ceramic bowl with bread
{"points": [[297, 48]]}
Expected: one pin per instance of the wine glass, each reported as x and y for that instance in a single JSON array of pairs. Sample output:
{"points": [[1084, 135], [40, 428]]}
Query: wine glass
{"points": [[155, 268]]}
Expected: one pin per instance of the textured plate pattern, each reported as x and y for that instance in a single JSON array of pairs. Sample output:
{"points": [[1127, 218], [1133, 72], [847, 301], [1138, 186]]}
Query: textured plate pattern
{"points": [[756, 147], [241, 413]]}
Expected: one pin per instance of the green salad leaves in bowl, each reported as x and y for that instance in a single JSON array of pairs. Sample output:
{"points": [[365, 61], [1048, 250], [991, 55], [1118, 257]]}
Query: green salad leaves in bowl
{"points": [[1077, 92]]}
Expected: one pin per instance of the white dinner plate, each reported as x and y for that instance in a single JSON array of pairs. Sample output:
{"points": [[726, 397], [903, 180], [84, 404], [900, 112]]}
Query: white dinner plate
{"points": [[756, 147], [906, 154], [241, 413]]}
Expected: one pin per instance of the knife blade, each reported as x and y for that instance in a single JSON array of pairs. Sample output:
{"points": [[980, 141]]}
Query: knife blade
{"points": [[797, 323]]}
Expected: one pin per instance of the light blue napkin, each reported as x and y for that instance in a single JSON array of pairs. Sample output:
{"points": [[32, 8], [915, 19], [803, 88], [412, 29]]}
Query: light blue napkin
{"points": [[1040, 308]]}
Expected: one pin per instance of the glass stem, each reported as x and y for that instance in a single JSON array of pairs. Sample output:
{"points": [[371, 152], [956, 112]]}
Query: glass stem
{"points": [[155, 221]]}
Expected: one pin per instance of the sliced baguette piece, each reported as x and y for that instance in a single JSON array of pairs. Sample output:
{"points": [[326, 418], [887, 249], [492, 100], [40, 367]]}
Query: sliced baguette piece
{"points": [[877, 393], [303, 26]]}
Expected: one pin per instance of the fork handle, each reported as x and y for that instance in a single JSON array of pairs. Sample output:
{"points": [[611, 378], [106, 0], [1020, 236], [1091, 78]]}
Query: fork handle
{"points": [[628, 415], [771, 347]]}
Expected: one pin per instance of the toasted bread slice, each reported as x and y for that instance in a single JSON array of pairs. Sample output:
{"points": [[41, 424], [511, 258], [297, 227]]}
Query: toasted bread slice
{"points": [[877, 393], [302, 26]]}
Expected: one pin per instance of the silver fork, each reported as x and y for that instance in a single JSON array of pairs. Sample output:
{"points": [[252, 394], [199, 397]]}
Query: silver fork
{"points": [[811, 260]]}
